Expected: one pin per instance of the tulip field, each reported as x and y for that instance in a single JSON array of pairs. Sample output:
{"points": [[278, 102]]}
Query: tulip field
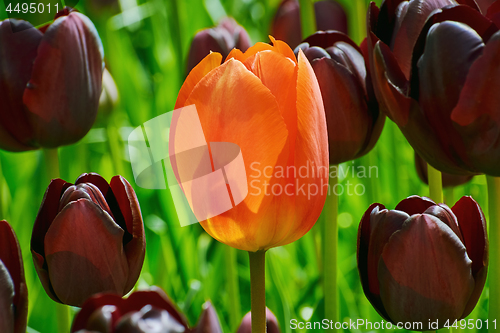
{"points": [[94, 238]]}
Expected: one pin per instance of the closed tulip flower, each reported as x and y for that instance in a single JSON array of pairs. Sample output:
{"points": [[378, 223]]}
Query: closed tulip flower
{"points": [[50, 81], [222, 39], [88, 238], [13, 291], [353, 119], [286, 25], [147, 311], [422, 261], [443, 97], [268, 102]]}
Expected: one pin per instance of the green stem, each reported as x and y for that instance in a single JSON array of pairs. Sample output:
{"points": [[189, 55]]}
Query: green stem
{"points": [[360, 32], [258, 290], [307, 18], [52, 163], [233, 287], [63, 318], [435, 184], [494, 238], [115, 149], [330, 255]]}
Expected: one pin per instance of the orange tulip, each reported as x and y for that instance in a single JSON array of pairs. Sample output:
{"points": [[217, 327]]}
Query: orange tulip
{"points": [[269, 103]]}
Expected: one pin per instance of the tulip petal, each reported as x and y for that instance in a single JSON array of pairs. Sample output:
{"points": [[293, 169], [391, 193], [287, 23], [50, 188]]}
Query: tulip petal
{"points": [[424, 273], [234, 106], [414, 205], [6, 300], [382, 225], [129, 208], [347, 115], [84, 253], [445, 215], [473, 226], [325, 39], [364, 235], [208, 63], [19, 50], [95, 179], [390, 84], [311, 149], [272, 323], [408, 26], [283, 48], [11, 257], [63, 94], [494, 13]]}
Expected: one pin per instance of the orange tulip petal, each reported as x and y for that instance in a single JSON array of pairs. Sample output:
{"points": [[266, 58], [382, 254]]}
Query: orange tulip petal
{"points": [[235, 54], [311, 153], [208, 63], [234, 106], [283, 48]]}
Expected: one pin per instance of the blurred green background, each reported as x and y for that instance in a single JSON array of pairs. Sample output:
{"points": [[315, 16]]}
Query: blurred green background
{"points": [[146, 45]]}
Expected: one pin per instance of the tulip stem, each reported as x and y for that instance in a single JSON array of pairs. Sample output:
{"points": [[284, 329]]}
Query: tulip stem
{"points": [[330, 255], [63, 318], [435, 184], [52, 163], [494, 238], [258, 290], [307, 18], [233, 287]]}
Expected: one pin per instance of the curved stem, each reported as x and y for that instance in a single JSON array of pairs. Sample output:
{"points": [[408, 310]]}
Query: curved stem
{"points": [[330, 255], [233, 287], [494, 238], [307, 18], [258, 290], [435, 184]]}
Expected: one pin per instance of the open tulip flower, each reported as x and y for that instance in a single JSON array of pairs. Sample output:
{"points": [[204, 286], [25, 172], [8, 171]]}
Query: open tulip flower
{"points": [[352, 114], [226, 36], [422, 261], [147, 311], [439, 85], [269, 103], [13, 291], [50, 81], [88, 238]]}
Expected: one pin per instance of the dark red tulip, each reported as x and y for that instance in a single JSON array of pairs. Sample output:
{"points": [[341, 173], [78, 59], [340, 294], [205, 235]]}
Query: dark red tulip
{"points": [[353, 119], [286, 25], [208, 321], [423, 261], [222, 39], [88, 238], [13, 291], [50, 81], [272, 323], [441, 88], [447, 179], [147, 311]]}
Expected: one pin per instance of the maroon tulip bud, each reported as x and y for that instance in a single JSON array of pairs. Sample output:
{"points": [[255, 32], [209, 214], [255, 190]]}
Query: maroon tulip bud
{"points": [[13, 291], [208, 321], [272, 323], [353, 119], [447, 179], [143, 311], [422, 261], [286, 25], [222, 39], [88, 238], [50, 81]]}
